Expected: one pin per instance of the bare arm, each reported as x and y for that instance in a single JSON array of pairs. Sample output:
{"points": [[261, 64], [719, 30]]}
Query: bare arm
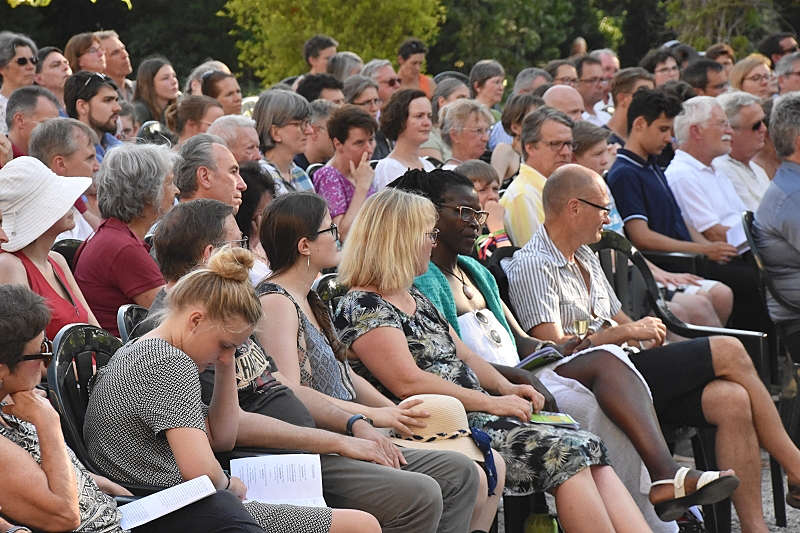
{"points": [[646, 239], [717, 232], [223, 416], [362, 176], [145, 299], [501, 159], [194, 456]]}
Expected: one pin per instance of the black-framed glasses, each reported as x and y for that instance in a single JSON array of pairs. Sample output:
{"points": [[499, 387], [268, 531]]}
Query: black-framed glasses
{"points": [[45, 353], [467, 214], [302, 124], [557, 146], [237, 243], [605, 208], [22, 61], [333, 228], [433, 235]]}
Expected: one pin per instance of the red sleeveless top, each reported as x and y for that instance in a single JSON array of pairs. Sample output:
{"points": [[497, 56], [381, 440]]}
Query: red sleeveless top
{"points": [[62, 312]]}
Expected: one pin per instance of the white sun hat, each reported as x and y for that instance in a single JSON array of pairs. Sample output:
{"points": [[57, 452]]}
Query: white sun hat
{"points": [[33, 198]]}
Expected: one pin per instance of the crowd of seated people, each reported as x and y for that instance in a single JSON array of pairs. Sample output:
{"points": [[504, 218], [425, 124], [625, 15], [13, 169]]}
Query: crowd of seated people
{"points": [[219, 218]]}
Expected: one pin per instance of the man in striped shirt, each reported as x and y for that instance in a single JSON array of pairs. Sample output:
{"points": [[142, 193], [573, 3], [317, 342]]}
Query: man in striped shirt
{"points": [[558, 289]]}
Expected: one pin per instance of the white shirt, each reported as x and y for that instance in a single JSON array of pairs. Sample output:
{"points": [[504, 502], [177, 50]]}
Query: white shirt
{"points": [[749, 181], [599, 118], [3, 102], [705, 196], [389, 169]]}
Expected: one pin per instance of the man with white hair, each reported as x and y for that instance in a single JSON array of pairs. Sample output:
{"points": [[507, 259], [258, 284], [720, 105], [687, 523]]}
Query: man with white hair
{"points": [[788, 72], [610, 62], [528, 80], [747, 120], [240, 136], [566, 99]]}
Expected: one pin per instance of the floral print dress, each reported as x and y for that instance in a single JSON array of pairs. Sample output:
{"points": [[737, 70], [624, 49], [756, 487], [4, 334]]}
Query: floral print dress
{"points": [[538, 457]]}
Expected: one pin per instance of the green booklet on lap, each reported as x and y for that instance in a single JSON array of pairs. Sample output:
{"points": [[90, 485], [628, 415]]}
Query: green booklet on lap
{"points": [[540, 357], [554, 419]]}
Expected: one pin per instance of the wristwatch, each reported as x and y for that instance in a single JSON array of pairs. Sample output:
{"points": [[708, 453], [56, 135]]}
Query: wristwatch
{"points": [[353, 419]]}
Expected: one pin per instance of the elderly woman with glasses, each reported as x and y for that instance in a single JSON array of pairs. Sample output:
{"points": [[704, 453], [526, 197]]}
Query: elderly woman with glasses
{"points": [[114, 267], [84, 52], [17, 68], [465, 129], [448, 90], [37, 206], [283, 123]]}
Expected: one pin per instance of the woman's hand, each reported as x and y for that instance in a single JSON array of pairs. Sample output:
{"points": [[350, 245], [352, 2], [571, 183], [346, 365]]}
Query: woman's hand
{"points": [[511, 405], [400, 417], [238, 488], [496, 212], [109, 487], [362, 174], [526, 392], [31, 407]]}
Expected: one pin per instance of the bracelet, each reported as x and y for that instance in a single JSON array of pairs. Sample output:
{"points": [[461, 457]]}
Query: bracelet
{"points": [[501, 238], [353, 419], [499, 233], [227, 475]]}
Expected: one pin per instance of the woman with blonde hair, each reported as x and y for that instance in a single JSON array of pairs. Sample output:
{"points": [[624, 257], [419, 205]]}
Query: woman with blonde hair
{"points": [[403, 346], [752, 75], [146, 422]]}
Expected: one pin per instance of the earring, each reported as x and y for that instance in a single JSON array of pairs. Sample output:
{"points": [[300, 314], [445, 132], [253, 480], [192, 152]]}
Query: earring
{"points": [[308, 261]]}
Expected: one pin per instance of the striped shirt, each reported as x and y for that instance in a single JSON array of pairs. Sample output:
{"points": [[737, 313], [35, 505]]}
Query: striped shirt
{"points": [[545, 287], [298, 182]]}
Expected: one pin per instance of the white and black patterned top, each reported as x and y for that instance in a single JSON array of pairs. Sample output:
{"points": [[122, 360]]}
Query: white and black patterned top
{"points": [[148, 387], [98, 511], [545, 287]]}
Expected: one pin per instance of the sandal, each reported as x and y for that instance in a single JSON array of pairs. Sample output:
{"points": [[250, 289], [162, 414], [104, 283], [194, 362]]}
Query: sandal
{"points": [[793, 495], [711, 488]]}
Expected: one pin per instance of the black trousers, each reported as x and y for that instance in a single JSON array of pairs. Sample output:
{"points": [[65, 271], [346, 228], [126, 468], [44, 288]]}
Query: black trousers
{"points": [[221, 512], [749, 311]]}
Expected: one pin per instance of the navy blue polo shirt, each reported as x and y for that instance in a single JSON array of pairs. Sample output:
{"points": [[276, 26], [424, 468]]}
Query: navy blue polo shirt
{"points": [[640, 190]]}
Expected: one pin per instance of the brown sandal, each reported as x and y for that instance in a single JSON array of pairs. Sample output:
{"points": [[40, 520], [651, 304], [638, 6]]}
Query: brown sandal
{"points": [[793, 495]]}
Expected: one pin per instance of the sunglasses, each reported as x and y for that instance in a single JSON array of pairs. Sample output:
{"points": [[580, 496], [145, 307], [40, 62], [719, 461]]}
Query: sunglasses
{"points": [[22, 61], [467, 214], [45, 353], [333, 228], [392, 82], [102, 77]]}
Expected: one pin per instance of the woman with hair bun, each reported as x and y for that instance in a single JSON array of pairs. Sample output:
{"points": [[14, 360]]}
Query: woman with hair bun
{"points": [[191, 115], [146, 422]]}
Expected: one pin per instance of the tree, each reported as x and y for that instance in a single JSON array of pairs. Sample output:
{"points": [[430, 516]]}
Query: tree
{"points": [[43, 3], [271, 33]]}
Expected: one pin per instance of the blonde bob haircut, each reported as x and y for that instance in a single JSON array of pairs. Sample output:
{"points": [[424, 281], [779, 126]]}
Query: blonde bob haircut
{"points": [[743, 67], [221, 287], [382, 248]]}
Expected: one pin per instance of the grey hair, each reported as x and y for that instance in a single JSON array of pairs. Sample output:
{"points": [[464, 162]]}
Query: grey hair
{"points": [[198, 71], [482, 71], [600, 52], [533, 122], [373, 66], [355, 85], [24, 100], [455, 114], [131, 177], [696, 110], [9, 41], [733, 102], [321, 109], [227, 127], [276, 108], [526, 77], [56, 136], [340, 65], [444, 89], [196, 152], [784, 66], [784, 123]]}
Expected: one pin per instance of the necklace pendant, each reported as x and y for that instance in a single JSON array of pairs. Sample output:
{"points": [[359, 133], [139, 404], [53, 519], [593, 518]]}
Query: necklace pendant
{"points": [[467, 291]]}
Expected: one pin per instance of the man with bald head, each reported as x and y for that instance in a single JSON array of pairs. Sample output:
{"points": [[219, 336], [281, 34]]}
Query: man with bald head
{"points": [[558, 289], [566, 99]]}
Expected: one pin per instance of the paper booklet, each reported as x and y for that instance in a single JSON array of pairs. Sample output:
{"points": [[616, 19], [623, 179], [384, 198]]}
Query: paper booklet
{"points": [[540, 357], [736, 237], [294, 479], [161, 503], [554, 419]]}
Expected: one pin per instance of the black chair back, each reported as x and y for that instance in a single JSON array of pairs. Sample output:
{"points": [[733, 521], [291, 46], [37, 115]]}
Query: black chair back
{"points": [[493, 265], [128, 317], [67, 248], [312, 168]]}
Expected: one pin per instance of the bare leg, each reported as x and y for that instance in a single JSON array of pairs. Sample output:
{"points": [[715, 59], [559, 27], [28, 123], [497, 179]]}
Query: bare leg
{"points": [[695, 309], [722, 298], [485, 505], [624, 513], [727, 406], [580, 507], [352, 521], [732, 363]]}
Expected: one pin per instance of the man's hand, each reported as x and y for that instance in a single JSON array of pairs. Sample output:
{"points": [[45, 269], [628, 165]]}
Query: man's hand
{"points": [[720, 251], [648, 329], [374, 445]]}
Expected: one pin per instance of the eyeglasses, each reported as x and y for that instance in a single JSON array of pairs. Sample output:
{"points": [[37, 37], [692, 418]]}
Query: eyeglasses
{"points": [[302, 124], [758, 78], [22, 61], [755, 127], [557, 146], [664, 70], [367, 103], [237, 243], [333, 228], [605, 208], [467, 214], [433, 235], [92, 50], [564, 80], [45, 353], [593, 81], [479, 131], [789, 50], [793, 73], [392, 82]]}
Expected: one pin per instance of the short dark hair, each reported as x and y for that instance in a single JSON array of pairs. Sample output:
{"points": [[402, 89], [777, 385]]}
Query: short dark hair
{"points": [[656, 56], [720, 49], [84, 85], [312, 85], [184, 231], [42, 54], [625, 80], [23, 315], [651, 104], [516, 108], [771, 44], [552, 66], [259, 182], [348, 117], [209, 80], [680, 89], [395, 114], [482, 71], [24, 100], [585, 135], [585, 60], [410, 47], [696, 72], [432, 185], [316, 44]]}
